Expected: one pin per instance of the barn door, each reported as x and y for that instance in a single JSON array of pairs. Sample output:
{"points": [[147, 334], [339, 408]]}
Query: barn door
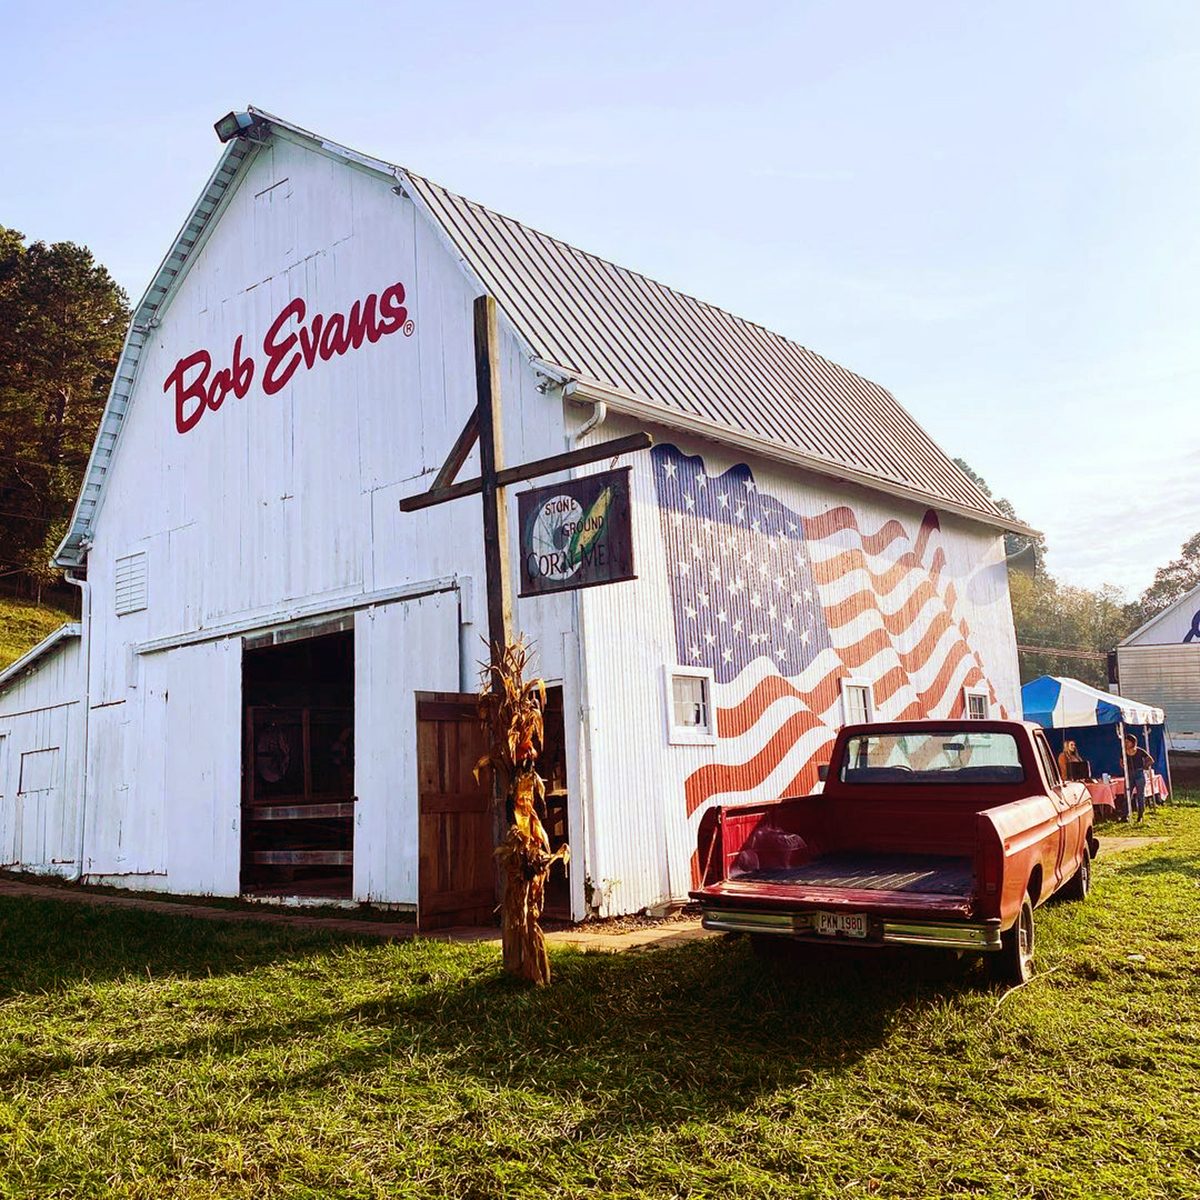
{"points": [[457, 875]]}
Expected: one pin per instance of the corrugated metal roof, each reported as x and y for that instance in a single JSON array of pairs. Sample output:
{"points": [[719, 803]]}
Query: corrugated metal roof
{"points": [[607, 325], [617, 327]]}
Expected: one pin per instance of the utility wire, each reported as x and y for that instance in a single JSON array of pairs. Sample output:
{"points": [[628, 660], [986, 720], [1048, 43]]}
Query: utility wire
{"points": [[1063, 652]]}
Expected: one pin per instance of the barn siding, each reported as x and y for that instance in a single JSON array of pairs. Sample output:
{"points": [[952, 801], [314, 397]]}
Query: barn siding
{"points": [[41, 727], [642, 835], [1172, 627], [1168, 677], [290, 501], [399, 649]]}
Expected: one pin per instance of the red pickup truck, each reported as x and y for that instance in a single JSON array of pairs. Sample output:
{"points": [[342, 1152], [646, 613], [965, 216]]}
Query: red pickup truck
{"points": [[927, 833]]}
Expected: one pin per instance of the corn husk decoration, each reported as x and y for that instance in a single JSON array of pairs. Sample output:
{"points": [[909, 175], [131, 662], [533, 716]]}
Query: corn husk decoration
{"points": [[511, 707]]}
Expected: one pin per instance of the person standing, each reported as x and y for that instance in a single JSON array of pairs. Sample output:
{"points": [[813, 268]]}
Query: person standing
{"points": [[1139, 768], [1068, 756]]}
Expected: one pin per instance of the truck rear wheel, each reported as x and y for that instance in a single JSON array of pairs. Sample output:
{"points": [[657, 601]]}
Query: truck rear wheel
{"points": [[1013, 963], [1078, 886]]}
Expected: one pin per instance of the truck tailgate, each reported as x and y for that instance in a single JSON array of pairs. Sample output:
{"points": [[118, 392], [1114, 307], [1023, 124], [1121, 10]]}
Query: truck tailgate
{"points": [[883, 883]]}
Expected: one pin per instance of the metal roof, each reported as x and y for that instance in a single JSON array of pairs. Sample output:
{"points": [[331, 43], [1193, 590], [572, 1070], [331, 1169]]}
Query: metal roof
{"points": [[664, 354], [618, 328]]}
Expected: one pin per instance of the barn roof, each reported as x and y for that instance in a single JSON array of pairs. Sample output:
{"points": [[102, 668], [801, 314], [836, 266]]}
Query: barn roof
{"points": [[28, 660], [614, 334], [1190, 597]]}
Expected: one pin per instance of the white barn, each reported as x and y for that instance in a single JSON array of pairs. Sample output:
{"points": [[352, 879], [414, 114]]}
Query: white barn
{"points": [[266, 693], [1159, 663]]}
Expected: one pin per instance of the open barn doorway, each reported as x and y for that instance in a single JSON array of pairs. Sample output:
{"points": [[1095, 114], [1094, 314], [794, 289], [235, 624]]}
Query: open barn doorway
{"points": [[298, 765]]}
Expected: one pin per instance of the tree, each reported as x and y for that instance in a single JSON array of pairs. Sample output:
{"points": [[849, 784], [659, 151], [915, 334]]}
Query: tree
{"points": [[1176, 579], [1061, 630], [1064, 630], [62, 321]]}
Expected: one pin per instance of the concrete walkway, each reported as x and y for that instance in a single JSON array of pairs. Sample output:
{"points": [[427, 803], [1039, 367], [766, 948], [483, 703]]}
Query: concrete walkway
{"points": [[602, 937]]}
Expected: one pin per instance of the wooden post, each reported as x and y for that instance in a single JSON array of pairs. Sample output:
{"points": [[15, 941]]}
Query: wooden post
{"points": [[491, 460], [485, 424]]}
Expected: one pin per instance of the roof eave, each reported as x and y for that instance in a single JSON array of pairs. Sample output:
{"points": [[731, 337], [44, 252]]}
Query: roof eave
{"points": [[72, 551], [658, 414]]}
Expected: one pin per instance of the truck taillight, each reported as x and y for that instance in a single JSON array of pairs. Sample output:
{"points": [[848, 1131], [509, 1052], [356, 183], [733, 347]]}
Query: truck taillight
{"points": [[989, 859], [708, 846]]}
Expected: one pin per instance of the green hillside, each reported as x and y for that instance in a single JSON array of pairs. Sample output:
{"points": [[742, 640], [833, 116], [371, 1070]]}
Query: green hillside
{"points": [[23, 625]]}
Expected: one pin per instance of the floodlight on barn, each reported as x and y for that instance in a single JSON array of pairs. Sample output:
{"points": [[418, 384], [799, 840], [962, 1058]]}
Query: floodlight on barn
{"points": [[232, 124]]}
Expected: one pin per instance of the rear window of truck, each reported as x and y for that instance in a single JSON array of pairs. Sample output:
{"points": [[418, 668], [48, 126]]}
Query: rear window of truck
{"points": [[954, 756]]}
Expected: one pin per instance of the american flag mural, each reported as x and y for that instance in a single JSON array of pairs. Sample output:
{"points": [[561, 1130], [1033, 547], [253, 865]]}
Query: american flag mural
{"points": [[781, 606]]}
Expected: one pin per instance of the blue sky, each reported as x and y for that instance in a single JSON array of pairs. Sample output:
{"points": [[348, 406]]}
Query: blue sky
{"points": [[991, 209]]}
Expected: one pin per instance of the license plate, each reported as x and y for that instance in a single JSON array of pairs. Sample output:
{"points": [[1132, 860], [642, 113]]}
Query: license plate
{"points": [[840, 924]]}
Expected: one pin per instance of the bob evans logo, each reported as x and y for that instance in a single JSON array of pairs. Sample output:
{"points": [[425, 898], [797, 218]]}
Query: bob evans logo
{"points": [[293, 342]]}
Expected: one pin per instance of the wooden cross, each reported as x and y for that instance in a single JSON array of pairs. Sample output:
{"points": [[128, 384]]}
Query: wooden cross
{"points": [[484, 426]]}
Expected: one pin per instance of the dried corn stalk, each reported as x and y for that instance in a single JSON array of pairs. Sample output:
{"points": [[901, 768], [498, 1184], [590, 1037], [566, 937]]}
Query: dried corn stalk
{"points": [[510, 707]]}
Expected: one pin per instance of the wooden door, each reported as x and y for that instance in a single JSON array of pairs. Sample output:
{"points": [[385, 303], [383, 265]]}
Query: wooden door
{"points": [[457, 874]]}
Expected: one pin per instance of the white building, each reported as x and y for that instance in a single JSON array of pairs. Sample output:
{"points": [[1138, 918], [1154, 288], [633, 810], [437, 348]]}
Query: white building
{"points": [[1160, 665], [265, 693]]}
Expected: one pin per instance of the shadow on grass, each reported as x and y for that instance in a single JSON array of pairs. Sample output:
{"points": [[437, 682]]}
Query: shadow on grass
{"points": [[1163, 864], [49, 945], [638, 1039]]}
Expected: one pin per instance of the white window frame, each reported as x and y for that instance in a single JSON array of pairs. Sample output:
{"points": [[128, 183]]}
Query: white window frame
{"points": [[978, 694], [854, 681], [690, 735]]}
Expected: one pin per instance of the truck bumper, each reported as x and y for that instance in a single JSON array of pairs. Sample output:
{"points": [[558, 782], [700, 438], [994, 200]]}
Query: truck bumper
{"points": [[945, 935]]}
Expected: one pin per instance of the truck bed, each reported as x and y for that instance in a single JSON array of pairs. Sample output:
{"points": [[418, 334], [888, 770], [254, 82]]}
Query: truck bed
{"points": [[927, 874]]}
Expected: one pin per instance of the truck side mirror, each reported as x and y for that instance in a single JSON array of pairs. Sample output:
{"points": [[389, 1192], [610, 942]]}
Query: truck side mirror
{"points": [[823, 772]]}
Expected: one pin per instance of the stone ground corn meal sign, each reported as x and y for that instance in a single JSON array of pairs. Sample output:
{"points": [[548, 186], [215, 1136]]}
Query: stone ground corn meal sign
{"points": [[576, 534]]}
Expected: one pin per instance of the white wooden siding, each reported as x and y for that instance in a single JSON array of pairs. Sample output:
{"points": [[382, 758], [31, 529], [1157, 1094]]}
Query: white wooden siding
{"points": [[1166, 676], [1171, 627], [399, 649], [273, 503], [41, 764]]}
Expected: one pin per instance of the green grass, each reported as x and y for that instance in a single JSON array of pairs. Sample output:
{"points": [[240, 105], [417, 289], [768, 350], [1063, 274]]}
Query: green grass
{"points": [[23, 625], [148, 1055]]}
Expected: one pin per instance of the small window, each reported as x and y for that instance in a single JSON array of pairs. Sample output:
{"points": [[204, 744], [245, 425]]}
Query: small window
{"points": [[130, 583], [690, 717], [857, 703], [1049, 763], [39, 771], [977, 705]]}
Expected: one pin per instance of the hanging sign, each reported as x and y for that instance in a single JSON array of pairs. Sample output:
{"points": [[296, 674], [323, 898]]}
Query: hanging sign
{"points": [[576, 534]]}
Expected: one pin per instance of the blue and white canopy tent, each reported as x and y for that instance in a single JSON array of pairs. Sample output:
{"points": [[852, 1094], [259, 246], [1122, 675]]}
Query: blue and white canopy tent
{"points": [[1097, 722]]}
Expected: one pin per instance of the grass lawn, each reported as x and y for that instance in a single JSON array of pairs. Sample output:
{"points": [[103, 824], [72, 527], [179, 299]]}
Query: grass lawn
{"points": [[23, 625], [149, 1055]]}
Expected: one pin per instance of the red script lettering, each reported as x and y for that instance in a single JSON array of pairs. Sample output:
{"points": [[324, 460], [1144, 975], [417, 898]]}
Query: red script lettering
{"points": [[293, 340]]}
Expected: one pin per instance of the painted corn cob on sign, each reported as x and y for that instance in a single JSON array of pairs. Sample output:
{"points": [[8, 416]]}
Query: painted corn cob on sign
{"points": [[576, 534]]}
